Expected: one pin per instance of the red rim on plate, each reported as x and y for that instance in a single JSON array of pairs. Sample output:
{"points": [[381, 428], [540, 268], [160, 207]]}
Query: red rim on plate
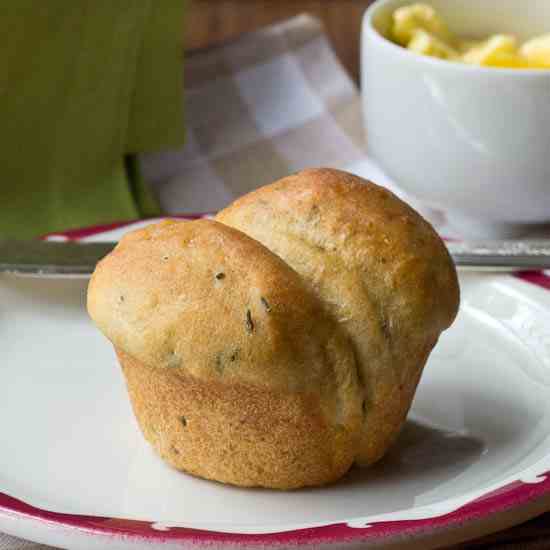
{"points": [[509, 497], [506, 498]]}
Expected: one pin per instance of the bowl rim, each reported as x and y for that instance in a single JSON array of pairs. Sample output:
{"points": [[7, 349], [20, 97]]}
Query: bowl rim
{"points": [[443, 64]]}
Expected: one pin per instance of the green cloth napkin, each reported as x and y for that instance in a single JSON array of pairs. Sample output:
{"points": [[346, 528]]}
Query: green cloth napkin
{"points": [[83, 83]]}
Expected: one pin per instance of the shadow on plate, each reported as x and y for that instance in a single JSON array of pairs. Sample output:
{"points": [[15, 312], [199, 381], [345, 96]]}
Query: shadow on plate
{"points": [[421, 451], [425, 463]]}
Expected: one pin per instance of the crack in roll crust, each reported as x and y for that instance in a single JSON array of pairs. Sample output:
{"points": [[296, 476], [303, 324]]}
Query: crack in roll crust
{"points": [[379, 269]]}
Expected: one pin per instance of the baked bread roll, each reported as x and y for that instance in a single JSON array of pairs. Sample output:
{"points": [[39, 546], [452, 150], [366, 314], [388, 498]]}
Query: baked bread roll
{"points": [[279, 346], [380, 270], [234, 369]]}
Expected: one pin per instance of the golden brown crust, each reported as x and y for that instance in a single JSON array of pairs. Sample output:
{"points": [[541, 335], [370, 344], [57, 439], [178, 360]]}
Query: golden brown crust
{"points": [[206, 319], [379, 268], [238, 434]]}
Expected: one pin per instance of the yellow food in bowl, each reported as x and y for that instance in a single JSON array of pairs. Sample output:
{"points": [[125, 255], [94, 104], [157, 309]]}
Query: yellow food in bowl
{"points": [[537, 51], [419, 28]]}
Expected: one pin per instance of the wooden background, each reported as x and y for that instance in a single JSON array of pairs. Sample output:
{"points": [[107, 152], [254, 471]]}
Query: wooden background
{"points": [[210, 22]]}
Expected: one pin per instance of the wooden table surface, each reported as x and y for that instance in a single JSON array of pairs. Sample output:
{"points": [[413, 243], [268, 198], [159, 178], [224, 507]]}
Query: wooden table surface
{"points": [[211, 22]]}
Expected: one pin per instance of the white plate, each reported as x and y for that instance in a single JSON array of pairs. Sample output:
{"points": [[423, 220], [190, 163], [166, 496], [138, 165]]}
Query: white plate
{"points": [[472, 457]]}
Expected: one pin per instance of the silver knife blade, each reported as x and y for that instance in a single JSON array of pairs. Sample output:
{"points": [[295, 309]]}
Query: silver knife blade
{"points": [[78, 259], [49, 258], [501, 255]]}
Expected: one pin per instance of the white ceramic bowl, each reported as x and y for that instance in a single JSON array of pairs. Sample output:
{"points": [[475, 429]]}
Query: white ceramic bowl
{"points": [[474, 141]]}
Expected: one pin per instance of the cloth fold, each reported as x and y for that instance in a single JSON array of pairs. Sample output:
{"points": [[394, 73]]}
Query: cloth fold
{"points": [[84, 83], [269, 104]]}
